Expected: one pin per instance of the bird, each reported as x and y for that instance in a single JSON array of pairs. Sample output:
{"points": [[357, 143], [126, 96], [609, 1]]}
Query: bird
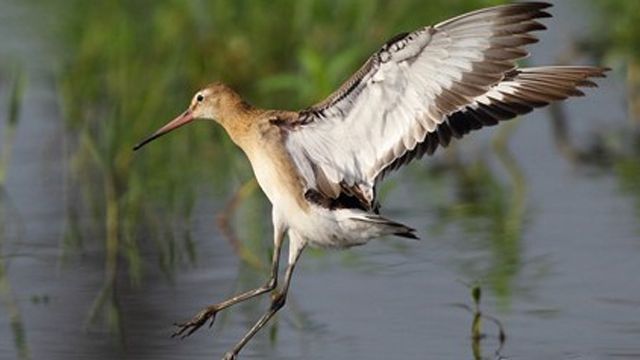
{"points": [[320, 166]]}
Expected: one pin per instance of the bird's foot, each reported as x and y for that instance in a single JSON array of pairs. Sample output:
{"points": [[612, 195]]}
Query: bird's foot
{"points": [[185, 329], [230, 356]]}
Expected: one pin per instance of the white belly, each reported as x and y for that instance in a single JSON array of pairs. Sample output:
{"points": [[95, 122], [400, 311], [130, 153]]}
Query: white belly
{"points": [[320, 227], [339, 228]]}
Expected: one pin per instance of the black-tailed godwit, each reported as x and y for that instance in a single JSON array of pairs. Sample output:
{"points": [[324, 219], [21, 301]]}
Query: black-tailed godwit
{"points": [[319, 167]]}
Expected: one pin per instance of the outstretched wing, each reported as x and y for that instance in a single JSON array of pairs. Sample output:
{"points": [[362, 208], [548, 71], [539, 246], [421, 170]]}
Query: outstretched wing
{"points": [[518, 93], [386, 112]]}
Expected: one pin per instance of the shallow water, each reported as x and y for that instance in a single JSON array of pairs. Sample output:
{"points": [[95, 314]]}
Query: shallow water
{"points": [[557, 255]]}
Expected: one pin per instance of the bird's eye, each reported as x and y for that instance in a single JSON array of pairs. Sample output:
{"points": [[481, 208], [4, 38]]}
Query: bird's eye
{"points": [[199, 98]]}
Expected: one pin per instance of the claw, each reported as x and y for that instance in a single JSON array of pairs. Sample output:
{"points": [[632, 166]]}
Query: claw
{"points": [[185, 329], [230, 356]]}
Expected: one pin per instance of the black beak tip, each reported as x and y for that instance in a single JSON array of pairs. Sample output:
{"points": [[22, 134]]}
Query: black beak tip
{"points": [[144, 142]]}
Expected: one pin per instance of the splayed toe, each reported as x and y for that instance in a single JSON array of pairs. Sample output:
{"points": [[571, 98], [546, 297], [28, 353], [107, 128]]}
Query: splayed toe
{"points": [[186, 329]]}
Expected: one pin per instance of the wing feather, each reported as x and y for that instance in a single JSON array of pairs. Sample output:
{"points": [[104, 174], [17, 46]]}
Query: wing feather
{"points": [[419, 91], [518, 94]]}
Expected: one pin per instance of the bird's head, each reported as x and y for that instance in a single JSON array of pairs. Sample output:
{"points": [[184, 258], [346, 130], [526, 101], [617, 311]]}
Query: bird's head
{"points": [[214, 102]]}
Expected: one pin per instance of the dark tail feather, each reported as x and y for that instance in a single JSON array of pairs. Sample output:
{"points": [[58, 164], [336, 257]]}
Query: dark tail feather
{"points": [[397, 229], [409, 233]]}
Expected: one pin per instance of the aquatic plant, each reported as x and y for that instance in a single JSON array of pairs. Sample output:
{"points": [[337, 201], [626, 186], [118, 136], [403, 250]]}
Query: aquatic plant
{"points": [[10, 221]]}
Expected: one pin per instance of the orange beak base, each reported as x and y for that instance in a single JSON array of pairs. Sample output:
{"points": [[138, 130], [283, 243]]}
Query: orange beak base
{"points": [[182, 119]]}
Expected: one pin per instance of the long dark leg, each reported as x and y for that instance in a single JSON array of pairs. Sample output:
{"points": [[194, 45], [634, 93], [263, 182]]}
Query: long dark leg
{"points": [[278, 299], [185, 329]]}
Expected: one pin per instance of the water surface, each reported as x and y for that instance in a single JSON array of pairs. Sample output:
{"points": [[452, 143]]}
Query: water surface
{"points": [[553, 244]]}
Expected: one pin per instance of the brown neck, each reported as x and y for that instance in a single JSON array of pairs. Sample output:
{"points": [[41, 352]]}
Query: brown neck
{"points": [[236, 117]]}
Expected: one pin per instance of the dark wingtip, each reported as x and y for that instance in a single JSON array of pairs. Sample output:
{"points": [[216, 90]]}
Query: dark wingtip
{"points": [[410, 234], [538, 4], [545, 5], [544, 15]]}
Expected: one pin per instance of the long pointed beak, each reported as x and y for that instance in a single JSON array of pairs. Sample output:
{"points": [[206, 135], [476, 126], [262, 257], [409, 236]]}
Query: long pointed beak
{"points": [[182, 119]]}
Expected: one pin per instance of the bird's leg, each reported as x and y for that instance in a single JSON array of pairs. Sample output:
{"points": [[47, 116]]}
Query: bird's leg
{"points": [[278, 299], [185, 329]]}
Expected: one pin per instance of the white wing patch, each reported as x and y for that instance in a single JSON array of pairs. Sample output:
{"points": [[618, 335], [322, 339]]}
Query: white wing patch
{"points": [[405, 91]]}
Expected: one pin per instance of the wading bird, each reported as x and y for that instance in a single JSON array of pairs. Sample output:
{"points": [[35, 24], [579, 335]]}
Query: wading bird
{"points": [[319, 167]]}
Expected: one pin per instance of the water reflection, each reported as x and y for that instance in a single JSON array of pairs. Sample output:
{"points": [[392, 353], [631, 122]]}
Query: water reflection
{"points": [[11, 228], [477, 332], [489, 209], [145, 223], [8, 231]]}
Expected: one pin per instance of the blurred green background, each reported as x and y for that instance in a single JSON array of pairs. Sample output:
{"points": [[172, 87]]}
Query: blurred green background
{"points": [[120, 69]]}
